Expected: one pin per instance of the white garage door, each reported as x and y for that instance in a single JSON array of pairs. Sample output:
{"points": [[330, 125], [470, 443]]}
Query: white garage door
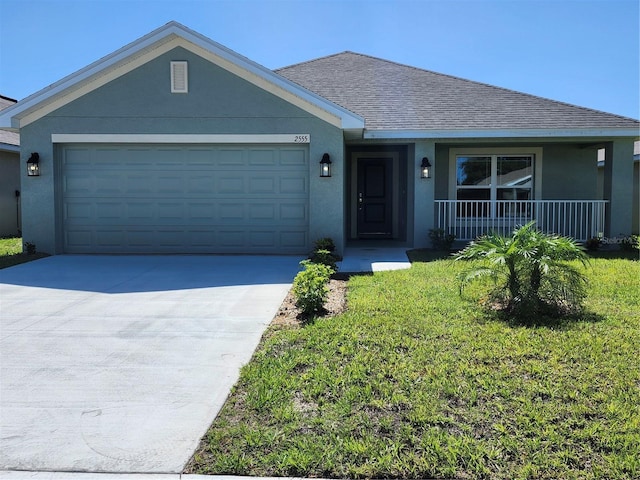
{"points": [[185, 199]]}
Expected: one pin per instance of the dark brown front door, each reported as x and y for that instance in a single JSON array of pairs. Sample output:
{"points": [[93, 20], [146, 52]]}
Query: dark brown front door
{"points": [[374, 197]]}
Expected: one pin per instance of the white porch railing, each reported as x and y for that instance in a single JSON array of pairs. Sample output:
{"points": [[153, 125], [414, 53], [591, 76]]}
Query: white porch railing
{"points": [[469, 219]]}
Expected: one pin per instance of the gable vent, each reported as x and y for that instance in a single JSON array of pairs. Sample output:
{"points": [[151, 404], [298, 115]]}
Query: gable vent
{"points": [[179, 77]]}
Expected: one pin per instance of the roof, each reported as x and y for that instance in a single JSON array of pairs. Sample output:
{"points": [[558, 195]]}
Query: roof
{"points": [[393, 97], [154, 44], [8, 140]]}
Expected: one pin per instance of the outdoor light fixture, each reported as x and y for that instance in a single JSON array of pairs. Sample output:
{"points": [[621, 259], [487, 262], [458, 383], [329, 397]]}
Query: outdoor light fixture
{"points": [[325, 166], [425, 168], [33, 165]]}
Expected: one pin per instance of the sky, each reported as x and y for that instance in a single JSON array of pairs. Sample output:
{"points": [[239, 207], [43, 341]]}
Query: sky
{"points": [[583, 52]]}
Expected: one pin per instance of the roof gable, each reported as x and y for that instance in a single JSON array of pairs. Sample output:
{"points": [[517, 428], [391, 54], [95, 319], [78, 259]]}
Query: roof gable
{"points": [[154, 44], [396, 98]]}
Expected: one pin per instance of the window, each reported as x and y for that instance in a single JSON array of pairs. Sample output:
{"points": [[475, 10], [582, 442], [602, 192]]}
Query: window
{"points": [[179, 77], [493, 178]]}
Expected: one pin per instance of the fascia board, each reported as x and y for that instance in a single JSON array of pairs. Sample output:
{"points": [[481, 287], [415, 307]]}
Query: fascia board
{"points": [[503, 133], [31, 108], [6, 147]]}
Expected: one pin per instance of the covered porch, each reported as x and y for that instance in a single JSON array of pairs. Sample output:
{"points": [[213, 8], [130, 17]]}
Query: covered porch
{"points": [[481, 189]]}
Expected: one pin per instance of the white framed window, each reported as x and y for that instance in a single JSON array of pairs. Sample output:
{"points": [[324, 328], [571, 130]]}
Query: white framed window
{"points": [[179, 77], [489, 183]]}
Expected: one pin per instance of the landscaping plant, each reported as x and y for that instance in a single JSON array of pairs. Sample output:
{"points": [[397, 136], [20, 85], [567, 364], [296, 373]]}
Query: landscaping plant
{"points": [[530, 272], [630, 243], [441, 240], [310, 286], [325, 243]]}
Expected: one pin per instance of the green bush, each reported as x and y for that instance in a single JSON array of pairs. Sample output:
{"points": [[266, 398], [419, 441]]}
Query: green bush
{"points": [[310, 286], [530, 272], [325, 257], [30, 248], [593, 244], [325, 243], [441, 240], [630, 243]]}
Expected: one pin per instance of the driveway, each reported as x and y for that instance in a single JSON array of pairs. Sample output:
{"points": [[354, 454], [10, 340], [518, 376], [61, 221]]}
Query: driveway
{"points": [[120, 363]]}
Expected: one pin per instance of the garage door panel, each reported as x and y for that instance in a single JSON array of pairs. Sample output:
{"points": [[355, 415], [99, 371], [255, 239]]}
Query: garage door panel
{"points": [[185, 199], [293, 157], [78, 184], [262, 185], [230, 184], [262, 157], [231, 157], [262, 212], [293, 185]]}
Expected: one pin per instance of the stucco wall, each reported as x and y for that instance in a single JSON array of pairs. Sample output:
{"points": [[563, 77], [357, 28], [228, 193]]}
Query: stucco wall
{"points": [[9, 183], [218, 102], [569, 172]]}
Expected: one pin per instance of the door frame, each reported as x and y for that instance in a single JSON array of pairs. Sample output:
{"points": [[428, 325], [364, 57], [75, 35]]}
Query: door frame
{"points": [[399, 194]]}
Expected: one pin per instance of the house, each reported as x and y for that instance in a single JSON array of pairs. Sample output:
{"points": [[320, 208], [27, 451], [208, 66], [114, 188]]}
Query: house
{"points": [[176, 144], [9, 178]]}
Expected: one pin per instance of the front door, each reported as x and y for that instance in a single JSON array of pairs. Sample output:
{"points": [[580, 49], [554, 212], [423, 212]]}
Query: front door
{"points": [[374, 197]]}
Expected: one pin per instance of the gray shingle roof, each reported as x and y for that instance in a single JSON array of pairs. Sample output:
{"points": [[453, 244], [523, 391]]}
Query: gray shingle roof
{"points": [[392, 96], [8, 138]]}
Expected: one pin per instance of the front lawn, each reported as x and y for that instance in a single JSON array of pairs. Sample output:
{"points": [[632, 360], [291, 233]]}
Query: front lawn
{"points": [[415, 382]]}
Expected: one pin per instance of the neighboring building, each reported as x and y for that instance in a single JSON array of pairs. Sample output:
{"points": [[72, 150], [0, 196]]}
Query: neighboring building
{"points": [[176, 144], [9, 178]]}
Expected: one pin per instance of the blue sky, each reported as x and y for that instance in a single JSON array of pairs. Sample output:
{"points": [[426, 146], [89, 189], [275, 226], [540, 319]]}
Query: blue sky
{"points": [[584, 52]]}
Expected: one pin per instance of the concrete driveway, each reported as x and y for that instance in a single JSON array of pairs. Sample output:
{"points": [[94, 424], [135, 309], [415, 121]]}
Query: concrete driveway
{"points": [[120, 363]]}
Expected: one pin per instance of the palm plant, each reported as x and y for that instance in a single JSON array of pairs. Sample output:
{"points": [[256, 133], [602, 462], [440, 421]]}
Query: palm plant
{"points": [[530, 271]]}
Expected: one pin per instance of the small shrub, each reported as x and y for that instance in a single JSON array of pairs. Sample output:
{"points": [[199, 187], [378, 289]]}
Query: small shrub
{"points": [[325, 243], [630, 243], [30, 248], [325, 257], [593, 244], [441, 240], [310, 286], [530, 271]]}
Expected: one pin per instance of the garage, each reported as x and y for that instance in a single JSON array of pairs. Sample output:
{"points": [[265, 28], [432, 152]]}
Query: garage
{"points": [[159, 198]]}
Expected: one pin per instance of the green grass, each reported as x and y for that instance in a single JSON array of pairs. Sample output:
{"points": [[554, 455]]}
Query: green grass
{"points": [[415, 381], [11, 252]]}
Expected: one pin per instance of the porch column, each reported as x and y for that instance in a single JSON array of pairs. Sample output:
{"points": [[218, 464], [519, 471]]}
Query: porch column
{"points": [[618, 187], [423, 215]]}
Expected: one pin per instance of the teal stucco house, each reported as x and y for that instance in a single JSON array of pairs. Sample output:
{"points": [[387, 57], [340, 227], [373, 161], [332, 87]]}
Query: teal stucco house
{"points": [[176, 144]]}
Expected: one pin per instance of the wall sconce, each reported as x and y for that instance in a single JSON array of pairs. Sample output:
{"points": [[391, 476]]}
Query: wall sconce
{"points": [[425, 168], [325, 166], [33, 165]]}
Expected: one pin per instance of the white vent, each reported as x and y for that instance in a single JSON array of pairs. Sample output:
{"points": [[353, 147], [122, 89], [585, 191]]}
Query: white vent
{"points": [[179, 77]]}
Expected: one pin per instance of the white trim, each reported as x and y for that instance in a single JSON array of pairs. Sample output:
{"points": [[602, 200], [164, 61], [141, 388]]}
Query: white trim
{"points": [[503, 133], [155, 44], [303, 138]]}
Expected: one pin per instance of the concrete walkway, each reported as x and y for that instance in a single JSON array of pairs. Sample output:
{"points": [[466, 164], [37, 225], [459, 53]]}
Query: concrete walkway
{"points": [[373, 259]]}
